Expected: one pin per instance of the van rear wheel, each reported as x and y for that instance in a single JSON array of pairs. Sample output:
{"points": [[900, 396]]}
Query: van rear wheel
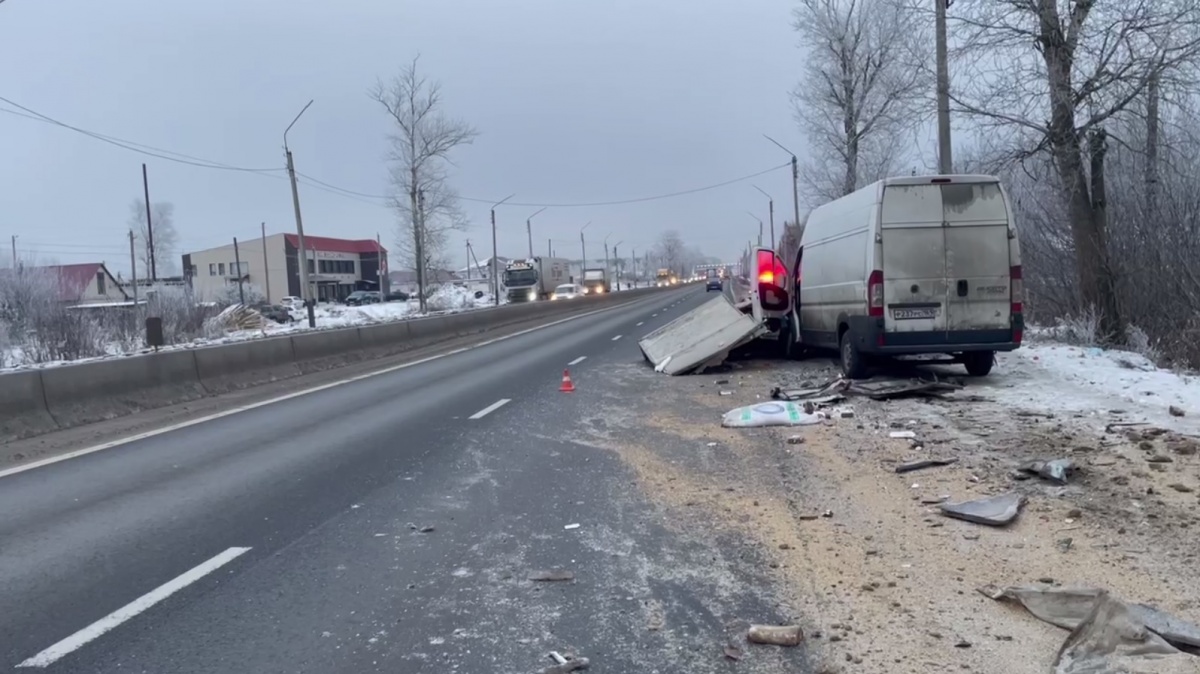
{"points": [[854, 366], [979, 363]]}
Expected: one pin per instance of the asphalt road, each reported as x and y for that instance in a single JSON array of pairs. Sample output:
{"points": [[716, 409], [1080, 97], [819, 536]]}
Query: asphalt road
{"points": [[288, 538]]}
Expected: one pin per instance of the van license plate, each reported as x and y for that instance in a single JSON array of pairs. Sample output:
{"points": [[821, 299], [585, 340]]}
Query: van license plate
{"points": [[915, 313]]}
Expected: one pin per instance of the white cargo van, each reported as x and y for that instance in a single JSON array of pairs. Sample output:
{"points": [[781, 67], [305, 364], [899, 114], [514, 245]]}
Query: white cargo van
{"points": [[905, 266]]}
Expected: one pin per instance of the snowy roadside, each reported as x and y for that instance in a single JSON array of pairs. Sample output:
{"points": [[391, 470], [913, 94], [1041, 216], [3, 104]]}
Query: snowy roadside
{"points": [[449, 300]]}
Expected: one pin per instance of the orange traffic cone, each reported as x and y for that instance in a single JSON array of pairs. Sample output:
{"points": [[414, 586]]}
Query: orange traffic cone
{"points": [[567, 386]]}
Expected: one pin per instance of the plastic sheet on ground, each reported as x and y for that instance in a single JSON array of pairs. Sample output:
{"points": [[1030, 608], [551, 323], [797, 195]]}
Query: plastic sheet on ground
{"points": [[700, 339], [769, 414], [1108, 636]]}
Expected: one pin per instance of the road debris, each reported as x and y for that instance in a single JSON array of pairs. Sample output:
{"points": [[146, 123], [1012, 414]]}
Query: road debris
{"points": [[903, 435], [875, 389], [768, 414], [1108, 636], [1056, 471], [775, 635], [571, 526], [1175, 411], [733, 651], [725, 393], [924, 463], [552, 575], [563, 665], [795, 440], [995, 511], [424, 530]]}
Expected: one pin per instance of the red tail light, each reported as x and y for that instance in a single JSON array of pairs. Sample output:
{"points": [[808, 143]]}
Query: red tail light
{"points": [[772, 294], [875, 294], [1016, 289]]}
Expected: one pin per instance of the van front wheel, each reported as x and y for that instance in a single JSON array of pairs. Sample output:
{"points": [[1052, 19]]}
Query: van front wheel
{"points": [[853, 364], [978, 363]]}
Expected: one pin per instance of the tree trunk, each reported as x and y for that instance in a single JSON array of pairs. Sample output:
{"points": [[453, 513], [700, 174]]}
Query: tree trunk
{"points": [[1151, 209], [1112, 323]]}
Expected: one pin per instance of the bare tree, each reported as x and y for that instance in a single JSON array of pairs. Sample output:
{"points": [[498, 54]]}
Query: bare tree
{"points": [[421, 144], [861, 92], [1092, 60], [670, 249], [166, 239]]}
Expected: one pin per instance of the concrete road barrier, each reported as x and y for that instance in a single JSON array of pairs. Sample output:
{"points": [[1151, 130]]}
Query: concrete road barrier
{"points": [[23, 406], [33, 402], [244, 364], [327, 349], [90, 392]]}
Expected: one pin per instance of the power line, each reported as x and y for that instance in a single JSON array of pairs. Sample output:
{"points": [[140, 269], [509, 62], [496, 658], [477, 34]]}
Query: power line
{"points": [[131, 145], [334, 189]]}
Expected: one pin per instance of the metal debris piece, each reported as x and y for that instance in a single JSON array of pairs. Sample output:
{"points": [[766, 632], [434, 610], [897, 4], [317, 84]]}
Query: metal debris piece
{"points": [[733, 651], [995, 511], [902, 435], [551, 575], [571, 526], [875, 389], [1055, 471], [924, 463], [563, 665], [775, 635], [795, 440]]}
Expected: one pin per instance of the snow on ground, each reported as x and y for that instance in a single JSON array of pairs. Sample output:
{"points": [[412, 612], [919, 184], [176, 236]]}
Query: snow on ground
{"points": [[446, 300], [1069, 380]]}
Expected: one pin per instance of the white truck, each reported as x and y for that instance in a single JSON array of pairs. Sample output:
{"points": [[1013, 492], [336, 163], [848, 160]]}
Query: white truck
{"points": [[595, 281], [904, 266], [535, 278]]}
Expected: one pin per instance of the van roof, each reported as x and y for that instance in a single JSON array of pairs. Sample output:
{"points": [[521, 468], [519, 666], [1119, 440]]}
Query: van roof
{"points": [[951, 178]]}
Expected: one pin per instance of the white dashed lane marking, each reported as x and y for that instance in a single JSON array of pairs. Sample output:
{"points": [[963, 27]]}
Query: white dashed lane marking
{"points": [[578, 360], [616, 338], [490, 408]]}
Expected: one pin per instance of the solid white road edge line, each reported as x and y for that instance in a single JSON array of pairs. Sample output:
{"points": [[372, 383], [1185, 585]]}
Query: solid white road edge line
{"points": [[616, 338], [132, 609], [490, 408], [578, 360], [271, 401]]}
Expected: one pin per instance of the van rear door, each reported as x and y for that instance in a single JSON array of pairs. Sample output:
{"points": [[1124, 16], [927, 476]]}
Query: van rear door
{"points": [[914, 258], [977, 256], [945, 257]]}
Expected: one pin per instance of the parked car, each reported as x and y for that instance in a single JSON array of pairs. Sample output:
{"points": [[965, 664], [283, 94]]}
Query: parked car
{"points": [[292, 302], [361, 297], [396, 296], [275, 312], [567, 291], [905, 266]]}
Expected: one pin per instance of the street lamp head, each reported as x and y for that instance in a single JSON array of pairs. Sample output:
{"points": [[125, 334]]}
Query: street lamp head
{"points": [[763, 192], [289, 126], [502, 201], [536, 212], [585, 226], [781, 147]]}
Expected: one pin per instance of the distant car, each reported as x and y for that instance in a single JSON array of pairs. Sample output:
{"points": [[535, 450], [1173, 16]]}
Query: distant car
{"points": [[396, 296], [567, 291], [714, 283], [361, 297], [292, 302], [275, 312]]}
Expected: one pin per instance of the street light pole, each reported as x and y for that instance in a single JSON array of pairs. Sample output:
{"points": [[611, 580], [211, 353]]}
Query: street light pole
{"points": [[771, 211], [760, 227], [617, 262], [495, 272], [582, 250], [606, 256], [529, 230], [795, 180], [305, 291]]}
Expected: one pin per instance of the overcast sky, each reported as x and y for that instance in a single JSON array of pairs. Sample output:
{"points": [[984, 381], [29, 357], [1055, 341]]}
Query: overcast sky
{"points": [[575, 101]]}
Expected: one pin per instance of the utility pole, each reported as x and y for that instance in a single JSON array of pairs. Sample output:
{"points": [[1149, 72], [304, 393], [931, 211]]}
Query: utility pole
{"points": [[419, 243], [468, 259], [149, 226], [633, 258], [14, 247], [266, 272], [770, 211], [133, 265], [617, 263], [382, 267], [529, 230], [549, 248], [305, 290], [795, 179], [606, 267], [237, 258], [495, 269], [760, 227], [583, 250], [945, 158]]}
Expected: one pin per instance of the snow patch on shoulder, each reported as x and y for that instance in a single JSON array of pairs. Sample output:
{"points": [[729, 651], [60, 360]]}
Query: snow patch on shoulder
{"points": [[1093, 382]]}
